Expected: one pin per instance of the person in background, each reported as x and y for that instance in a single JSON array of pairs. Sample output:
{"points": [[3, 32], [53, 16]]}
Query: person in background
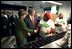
{"points": [[69, 20], [46, 25], [12, 24], [66, 40], [4, 24], [61, 21], [69, 32], [21, 29], [38, 17], [31, 23]]}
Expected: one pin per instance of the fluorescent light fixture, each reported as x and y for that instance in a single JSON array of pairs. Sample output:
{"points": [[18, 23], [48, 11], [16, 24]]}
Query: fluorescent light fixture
{"points": [[53, 2], [43, 1]]}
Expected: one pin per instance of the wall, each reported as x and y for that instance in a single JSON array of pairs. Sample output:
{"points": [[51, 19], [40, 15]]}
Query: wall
{"points": [[66, 8]]}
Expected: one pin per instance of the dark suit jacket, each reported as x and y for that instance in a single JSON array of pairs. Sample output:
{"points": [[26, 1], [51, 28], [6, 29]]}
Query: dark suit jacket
{"points": [[29, 22], [4, 22], [29, 25]]}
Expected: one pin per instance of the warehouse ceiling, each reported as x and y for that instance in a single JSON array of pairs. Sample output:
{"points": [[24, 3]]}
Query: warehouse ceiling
{"points": [[35, 4], [32, 3], [28, 3]]}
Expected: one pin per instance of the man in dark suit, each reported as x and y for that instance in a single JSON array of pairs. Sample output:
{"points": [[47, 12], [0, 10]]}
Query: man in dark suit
{"points": [[4, 24], [12, 23], [31, 23]]}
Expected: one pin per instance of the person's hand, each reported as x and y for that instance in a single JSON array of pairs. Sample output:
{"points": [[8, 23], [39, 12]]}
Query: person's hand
{"points": [[35, 31], [29, 34], [52, 30], [48, 32]]}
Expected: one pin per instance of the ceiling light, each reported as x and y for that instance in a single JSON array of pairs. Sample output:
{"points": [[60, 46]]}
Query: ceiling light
{"points": [[53, 2]]}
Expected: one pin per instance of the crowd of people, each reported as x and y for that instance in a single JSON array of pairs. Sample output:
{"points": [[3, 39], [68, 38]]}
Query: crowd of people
{"points": [[27, 28], [8, 23]]}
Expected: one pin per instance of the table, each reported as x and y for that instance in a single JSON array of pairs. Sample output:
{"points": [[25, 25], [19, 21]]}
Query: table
{"points": [[44, 41], [52, 44]]}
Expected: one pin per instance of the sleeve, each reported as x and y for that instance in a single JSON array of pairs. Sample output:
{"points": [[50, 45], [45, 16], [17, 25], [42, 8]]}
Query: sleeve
{"points": [[52, 25], [56, 21], [39, 25], [23, 25]]}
